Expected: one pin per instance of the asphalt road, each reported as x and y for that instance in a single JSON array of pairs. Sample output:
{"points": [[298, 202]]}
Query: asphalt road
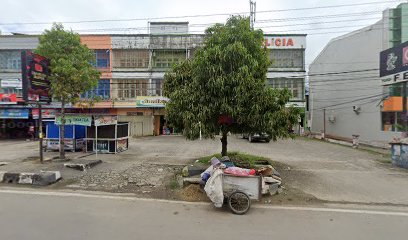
{"points": [[57, 215]]}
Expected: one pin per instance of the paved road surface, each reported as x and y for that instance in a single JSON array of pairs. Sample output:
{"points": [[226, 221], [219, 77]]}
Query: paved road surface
{"points": [[47, 215]]}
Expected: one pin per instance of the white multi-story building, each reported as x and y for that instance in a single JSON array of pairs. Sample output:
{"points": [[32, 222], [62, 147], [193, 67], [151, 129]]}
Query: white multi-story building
{"points": [[346, 94]]}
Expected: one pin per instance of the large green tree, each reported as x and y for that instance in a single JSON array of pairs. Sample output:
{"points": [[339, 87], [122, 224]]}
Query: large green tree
{"points": [[72, 72], [223, 88]]}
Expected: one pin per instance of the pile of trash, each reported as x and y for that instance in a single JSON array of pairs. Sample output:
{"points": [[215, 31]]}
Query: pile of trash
{"points": [[211, 177]]}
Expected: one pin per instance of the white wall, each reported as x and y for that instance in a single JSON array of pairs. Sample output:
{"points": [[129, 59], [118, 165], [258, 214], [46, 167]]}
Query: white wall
{"points": [[356, 51]]}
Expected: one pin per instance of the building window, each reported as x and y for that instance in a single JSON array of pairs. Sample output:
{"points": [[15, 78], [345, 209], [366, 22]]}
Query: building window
{"points": [[135, 58], [102, 58], [392, 121], [392, 118], [394, 90], [156, 87], [286, 58], [10, 60], [167, 58], [11, 90], [130, 88], [295, 86], [102, 90]]}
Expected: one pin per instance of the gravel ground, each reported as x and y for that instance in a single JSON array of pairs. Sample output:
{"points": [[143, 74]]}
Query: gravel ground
{"points": [[319, 170]]}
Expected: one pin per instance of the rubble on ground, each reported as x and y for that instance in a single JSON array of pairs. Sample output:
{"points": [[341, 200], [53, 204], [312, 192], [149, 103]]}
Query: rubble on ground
{"points": [[138, 177]]}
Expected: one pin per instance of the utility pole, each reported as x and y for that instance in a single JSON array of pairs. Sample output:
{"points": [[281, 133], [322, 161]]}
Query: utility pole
{"points": [[324, 122], [404, 108], [40, 132], [252, 7]]}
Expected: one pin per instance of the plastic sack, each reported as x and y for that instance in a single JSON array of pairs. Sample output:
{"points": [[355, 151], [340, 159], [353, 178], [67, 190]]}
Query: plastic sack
{"points": [[237, 171], [213, 188], [207, 171]]}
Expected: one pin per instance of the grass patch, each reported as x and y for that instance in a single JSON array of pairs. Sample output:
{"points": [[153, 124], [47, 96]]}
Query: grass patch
{"points": [[239, 159], [173, 185], [385, 160]]}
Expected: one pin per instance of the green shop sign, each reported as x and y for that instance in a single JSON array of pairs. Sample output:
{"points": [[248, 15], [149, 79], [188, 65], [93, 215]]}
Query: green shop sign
{"points": [[159, 102], [75, 120]]}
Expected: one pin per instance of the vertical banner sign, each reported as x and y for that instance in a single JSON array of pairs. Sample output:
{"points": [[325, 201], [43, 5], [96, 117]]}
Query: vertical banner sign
{"points": [[35, 75]]}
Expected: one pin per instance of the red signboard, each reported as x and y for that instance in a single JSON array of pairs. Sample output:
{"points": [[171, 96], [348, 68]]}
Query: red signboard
{"points": [[45, 113], [36, 72], [8, 98], [405, 56]]}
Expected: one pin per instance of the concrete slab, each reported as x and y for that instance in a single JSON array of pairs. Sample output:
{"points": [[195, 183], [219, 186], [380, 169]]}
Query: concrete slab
{"points": [[46, 178], [26, 178], [1, 176], [11, 177], [83, 165]]}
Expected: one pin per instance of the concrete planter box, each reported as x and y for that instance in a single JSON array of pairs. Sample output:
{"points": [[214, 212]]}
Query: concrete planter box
{"points": [[399, 154]]}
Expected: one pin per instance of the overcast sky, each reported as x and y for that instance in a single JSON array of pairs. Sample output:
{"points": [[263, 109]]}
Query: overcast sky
{"points": [[321, 24]]}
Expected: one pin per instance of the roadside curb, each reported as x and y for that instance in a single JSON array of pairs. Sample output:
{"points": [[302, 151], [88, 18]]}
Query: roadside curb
{"points": [[83, 165], [42, 178]]}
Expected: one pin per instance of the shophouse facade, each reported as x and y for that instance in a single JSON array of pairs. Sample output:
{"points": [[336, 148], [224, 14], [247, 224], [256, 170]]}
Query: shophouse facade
{"points": [[132, 73]]}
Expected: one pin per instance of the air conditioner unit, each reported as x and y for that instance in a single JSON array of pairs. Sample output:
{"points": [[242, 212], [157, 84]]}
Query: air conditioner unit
{"points": [[357, 109]]}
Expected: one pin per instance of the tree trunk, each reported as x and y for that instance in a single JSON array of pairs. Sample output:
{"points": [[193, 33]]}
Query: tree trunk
{"points": [[224, 144], [62, 132]]}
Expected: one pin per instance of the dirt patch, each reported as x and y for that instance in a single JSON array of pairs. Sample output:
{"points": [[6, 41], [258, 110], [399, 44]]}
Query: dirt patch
{"points": [[192, 193]]}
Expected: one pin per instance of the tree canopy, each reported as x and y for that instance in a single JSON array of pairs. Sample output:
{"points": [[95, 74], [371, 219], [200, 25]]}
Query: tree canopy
{"points": [[223, 88], [72, 73]]}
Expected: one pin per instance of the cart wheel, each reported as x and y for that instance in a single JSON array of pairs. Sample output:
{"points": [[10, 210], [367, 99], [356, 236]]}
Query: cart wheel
{"points": [[239, 203]]}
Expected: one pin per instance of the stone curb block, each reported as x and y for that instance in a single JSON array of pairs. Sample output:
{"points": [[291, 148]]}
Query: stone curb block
{"points": [[46, 178], [83, 166], [40, 179], [1, 176], [26, 178], [9, 177]]}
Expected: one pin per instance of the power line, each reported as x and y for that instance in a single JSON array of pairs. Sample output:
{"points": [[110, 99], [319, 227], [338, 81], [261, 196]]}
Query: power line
{"points": [[336, 73], [360, 103], [351, 101], [206, 25], [342, 80], [342, 15], [340, 98], [350, 88], [203, 25], [259, 21], [338, 63], [203, 15], [315, 23]]}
